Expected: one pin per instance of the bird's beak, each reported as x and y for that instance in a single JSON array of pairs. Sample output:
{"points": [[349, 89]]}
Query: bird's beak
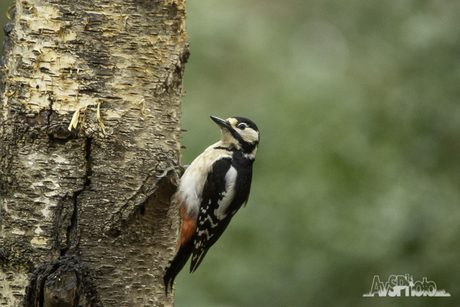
{"points": [[221, 122]]}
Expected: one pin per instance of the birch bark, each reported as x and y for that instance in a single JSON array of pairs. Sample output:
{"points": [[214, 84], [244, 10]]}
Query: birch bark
{"points": [[90, 151]]}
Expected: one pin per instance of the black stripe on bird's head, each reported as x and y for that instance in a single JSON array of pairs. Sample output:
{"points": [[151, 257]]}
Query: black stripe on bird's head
{"points": [[239, 131]]}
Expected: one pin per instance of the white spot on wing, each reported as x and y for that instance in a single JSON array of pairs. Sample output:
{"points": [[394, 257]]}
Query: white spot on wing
{"points": [[209, 218], [205, 231], [230, 179]]}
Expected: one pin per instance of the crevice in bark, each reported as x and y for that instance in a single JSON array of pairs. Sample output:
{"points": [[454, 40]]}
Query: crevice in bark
{"points": [[66, 234], [53, 141], [65, 224], [65, 281], [88, 162], [71, 231], [72, 228], [50, 111], [58, 132]]}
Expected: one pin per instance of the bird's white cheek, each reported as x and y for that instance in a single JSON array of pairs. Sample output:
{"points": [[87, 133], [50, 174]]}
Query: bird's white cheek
{"points": [[249, 135]]}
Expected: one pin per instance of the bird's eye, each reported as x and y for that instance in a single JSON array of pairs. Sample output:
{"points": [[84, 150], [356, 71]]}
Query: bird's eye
{"points": [[242, 126]]}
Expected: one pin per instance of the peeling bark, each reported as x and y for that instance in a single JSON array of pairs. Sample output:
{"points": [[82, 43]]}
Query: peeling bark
{"points": [[86, 218]]}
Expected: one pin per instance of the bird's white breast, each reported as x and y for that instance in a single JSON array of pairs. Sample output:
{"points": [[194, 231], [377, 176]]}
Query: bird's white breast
{"points": [[194, 178]]}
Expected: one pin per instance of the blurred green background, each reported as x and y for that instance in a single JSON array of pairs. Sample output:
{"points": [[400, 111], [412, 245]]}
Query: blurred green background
{"points": [[4, 5], [358, 169]]}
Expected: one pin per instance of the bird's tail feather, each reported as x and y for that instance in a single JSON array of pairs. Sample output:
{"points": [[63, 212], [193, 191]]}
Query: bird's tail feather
{"points": [[196, 262], [177, 264]]}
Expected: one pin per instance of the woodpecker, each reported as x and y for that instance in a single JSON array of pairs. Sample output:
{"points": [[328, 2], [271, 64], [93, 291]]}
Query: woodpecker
{"points": [[211, 191]]}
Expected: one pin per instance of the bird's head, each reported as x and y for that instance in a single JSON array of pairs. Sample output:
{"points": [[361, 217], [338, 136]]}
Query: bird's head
{"points": [[239, 132]]}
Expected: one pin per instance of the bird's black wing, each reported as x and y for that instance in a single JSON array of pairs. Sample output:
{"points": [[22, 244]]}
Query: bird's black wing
{"points": [[211, 225], [243, 182]]}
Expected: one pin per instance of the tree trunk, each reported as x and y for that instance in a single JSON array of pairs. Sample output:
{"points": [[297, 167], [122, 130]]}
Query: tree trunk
{"points": [[90, 151]]}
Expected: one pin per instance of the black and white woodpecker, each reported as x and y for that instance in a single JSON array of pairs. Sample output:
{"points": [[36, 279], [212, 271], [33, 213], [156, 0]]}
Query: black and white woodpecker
{"points": [[211, 191]]}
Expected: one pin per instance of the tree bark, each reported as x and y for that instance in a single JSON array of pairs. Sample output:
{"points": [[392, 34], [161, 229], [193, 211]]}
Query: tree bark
{"points": [[90, 151]]}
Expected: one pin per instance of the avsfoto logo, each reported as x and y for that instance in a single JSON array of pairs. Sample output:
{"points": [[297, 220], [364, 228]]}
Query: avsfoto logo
{"points": [[404, 285]]}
